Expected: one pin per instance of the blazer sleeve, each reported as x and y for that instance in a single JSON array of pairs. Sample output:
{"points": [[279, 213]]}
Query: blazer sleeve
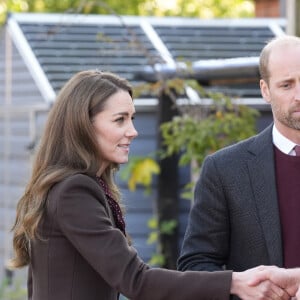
{"points": [[206, 241], [84, 219]]}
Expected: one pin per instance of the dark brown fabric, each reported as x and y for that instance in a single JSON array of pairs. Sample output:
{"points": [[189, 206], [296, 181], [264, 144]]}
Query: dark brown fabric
{"points": [[83, 256]]}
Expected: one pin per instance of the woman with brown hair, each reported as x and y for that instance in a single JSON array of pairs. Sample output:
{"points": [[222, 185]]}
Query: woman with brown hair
{"points": [[69, 226]]}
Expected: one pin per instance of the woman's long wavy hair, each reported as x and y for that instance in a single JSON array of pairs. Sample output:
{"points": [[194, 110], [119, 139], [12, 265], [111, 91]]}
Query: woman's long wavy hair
{"points": [[68, 146]]}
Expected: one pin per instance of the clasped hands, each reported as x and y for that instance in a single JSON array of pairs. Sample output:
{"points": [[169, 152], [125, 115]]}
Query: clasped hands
{"points": [[266, 282]]}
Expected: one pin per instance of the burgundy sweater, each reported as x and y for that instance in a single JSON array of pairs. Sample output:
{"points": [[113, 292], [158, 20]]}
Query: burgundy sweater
{"points": [[288, 191]]}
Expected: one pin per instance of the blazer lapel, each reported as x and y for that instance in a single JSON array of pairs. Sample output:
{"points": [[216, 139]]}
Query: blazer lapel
{"points": [[262, 174]]}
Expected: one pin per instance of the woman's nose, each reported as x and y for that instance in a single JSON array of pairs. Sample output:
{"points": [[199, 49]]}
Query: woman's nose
{"points": [[132, 132]]}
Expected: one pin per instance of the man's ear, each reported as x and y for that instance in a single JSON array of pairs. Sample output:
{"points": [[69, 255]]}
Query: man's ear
{"points": [[264, 89]]}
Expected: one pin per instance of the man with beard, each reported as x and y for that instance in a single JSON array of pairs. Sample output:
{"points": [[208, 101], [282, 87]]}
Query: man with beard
{"points": [[247, 199]]}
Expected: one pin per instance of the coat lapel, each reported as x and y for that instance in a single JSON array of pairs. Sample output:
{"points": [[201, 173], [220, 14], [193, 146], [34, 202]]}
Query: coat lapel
{"points": [[262, 174]]}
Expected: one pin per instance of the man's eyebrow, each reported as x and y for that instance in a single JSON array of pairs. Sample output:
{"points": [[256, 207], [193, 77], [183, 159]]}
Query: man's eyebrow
{"points": [[287, 79], [284, 80]]}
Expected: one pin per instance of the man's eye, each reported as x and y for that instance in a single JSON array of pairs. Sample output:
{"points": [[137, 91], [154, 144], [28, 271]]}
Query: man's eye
{"points": [[285, 85]]}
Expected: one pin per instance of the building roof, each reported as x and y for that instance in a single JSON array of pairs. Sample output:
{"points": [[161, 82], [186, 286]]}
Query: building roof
{"points": [[55, 46]]}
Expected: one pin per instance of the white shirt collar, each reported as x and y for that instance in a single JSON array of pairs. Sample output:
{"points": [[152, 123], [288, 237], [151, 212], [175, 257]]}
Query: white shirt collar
{"points": [[282, 143]]}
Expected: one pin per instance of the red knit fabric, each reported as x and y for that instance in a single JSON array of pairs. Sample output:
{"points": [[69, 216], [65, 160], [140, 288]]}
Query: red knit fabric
{"points": [[288, 191], [297, 150], [114, 206]]}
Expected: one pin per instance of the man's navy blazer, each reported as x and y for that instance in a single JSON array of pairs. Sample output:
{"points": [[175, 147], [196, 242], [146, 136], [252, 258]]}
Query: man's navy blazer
{"points": [[234, 222]]}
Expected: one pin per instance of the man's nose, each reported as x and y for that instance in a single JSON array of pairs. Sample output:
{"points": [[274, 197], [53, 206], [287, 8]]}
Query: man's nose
{"points": [[297, 93]]}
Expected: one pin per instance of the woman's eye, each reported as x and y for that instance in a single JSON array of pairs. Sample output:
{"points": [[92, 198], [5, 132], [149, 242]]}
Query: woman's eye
{"points": [[119, 120]]}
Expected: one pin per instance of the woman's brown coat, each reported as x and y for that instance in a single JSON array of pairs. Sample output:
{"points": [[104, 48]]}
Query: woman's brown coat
{"points": [[83, 256]]}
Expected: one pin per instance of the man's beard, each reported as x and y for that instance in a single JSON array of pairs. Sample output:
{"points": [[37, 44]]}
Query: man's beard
{"points": [[287, 118]]}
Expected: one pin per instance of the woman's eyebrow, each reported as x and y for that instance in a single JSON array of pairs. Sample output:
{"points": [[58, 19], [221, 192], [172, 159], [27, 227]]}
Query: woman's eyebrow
{"points": [[125, 113], [121, 113]]}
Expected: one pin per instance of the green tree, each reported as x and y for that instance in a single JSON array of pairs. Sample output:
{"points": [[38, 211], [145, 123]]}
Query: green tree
{"points": [[210, 127], [182, 8], [200, 8], [199, 129], [106, 7], [12, 291]]}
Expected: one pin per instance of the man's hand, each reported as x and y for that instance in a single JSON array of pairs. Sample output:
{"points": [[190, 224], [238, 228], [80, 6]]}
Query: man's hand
{"points": [[259, 289], [298, 293], [287, 279]]}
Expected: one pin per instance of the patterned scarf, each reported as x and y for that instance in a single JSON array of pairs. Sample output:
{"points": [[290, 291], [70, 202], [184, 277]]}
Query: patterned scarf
{"points": [[114, 206]]}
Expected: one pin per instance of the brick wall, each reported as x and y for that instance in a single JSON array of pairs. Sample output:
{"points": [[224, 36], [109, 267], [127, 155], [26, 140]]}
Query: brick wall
{"points": [[267, 8]]}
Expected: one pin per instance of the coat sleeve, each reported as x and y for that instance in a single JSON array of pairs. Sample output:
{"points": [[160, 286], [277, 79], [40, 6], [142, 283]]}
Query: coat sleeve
{"points": [[83, 217], [29, 283], [206, 241]]}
